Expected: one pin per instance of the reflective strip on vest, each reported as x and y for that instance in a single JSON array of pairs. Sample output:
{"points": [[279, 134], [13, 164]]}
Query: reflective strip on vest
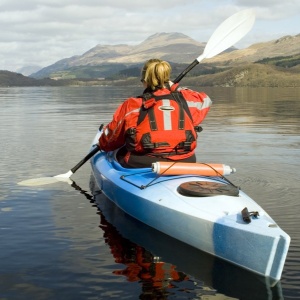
{"points": [[121, 121], [132, 111], [205, 104], [167, 115]]}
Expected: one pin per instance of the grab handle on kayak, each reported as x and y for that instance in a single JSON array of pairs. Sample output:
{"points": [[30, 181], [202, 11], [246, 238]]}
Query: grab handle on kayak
{"points": [[246, 215]]}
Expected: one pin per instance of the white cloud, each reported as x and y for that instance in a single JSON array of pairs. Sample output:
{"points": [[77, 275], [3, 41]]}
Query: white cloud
{"points": [[41, 32]]}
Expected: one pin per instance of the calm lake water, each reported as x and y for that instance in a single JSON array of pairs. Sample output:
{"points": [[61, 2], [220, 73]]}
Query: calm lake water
{"points": [[60, 242]]}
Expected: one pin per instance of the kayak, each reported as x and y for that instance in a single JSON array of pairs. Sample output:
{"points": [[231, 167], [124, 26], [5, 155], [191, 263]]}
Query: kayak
{"points": [[200, 208], [125, 236]]}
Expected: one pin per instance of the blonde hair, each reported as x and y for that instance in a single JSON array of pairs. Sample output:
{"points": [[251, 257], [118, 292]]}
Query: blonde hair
{"points": [[156, 73]]}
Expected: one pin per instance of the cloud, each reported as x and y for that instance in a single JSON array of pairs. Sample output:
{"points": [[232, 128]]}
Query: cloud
{"points": [[41, 32]]}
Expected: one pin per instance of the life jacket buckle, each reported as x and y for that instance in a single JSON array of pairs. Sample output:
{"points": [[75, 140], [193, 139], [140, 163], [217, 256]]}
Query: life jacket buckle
{"points": [[184, 145], [198, 128], [131, 131]]}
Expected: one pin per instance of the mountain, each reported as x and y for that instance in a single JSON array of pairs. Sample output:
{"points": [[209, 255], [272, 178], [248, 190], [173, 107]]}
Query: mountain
{"points": [[272, 63], [105, 60], [123, 61], [168, 46]]}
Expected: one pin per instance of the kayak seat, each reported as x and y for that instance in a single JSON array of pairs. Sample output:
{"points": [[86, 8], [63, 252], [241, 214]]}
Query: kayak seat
{"points": [[119, 155], [206, 189], [142, 160]]}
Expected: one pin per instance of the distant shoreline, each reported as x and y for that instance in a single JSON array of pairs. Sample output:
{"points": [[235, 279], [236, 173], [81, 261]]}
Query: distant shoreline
{"points": [[249, 75]]}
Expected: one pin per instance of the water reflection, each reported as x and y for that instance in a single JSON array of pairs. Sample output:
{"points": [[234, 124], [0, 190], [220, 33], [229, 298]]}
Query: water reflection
{"points": [[140, 265], [45, 131], [255, 108], [164, 266]]}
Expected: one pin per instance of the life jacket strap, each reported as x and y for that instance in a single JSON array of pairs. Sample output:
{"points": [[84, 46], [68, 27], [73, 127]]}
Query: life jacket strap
{"points": [[148, 103]]}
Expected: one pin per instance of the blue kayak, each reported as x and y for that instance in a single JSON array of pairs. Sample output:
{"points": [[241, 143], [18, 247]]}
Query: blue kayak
{"points": [[206, 212]]}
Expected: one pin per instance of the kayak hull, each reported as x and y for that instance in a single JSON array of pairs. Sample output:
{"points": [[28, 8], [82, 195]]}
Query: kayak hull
{"points": [[213, 224]]}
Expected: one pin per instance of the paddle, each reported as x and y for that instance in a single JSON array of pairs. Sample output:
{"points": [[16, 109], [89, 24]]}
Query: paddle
{"points": [[226, 35]]}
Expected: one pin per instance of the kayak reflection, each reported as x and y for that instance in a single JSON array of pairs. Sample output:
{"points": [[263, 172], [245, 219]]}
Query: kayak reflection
{"points": [[156, 276], [164, 265]]}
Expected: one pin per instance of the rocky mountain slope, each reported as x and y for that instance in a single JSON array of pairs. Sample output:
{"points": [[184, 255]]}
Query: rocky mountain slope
{"points": [[104, 60], [169, 46]]}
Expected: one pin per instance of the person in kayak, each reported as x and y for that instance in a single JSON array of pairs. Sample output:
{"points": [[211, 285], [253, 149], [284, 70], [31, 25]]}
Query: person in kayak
{"points": [[159, 125]]}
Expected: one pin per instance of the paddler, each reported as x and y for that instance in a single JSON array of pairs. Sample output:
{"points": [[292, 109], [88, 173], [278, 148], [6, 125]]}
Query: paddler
{"points": [[161, 124]]}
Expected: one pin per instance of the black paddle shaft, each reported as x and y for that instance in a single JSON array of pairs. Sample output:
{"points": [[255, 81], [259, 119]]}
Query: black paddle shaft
{"points": [[90, 155], [188, 69], [85, 159]]}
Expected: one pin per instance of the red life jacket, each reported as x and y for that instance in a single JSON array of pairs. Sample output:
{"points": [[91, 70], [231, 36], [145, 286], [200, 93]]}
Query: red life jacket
{"points": [[164, 127]]}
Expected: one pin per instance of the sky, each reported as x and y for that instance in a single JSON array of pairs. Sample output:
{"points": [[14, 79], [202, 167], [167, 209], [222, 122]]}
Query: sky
{"points": [[41, 32]]}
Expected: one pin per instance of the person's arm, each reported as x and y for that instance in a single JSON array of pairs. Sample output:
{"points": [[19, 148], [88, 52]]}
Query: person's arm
{"points": [[113, 133], [113, 136], [199, 104]]}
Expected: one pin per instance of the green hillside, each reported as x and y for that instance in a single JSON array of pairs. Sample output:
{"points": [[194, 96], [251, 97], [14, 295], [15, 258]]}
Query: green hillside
{"points": [[8, 78], [251, 75]]}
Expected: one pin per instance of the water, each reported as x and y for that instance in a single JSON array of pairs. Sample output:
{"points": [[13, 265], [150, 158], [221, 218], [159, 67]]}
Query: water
{"points": [[59, 242]]}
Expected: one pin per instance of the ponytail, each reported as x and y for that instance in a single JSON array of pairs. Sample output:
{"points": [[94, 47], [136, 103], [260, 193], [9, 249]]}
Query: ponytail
{"points": [[156, 73]]}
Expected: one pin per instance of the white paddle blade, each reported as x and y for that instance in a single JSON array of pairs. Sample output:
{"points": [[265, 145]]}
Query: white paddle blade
{"points": [[47, 180], [44, 181], [38, 181], [65, 175], [229, 33]]}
